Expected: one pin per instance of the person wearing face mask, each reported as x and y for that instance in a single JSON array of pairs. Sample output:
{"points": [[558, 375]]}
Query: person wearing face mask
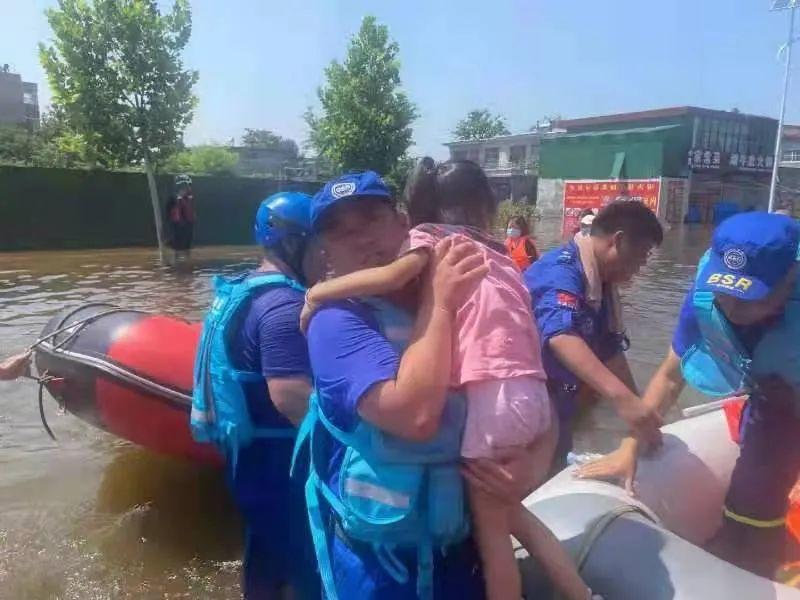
{"points": [[520, 245], [737, 333], [577, 310]]}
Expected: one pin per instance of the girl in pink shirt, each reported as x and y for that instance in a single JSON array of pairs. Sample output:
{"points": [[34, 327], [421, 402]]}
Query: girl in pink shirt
{"points": [[496, 361]]}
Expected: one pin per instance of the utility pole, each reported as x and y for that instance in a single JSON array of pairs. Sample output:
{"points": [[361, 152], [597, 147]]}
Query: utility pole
{"points": [[790, 5]]}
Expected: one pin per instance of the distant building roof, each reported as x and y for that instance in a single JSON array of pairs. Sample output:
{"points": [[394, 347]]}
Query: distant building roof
{"points": [[613, 132], [500, 139], [660, 113]]}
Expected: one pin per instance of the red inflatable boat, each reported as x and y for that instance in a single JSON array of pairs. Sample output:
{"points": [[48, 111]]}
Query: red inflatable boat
{"points": [[127, 372]]}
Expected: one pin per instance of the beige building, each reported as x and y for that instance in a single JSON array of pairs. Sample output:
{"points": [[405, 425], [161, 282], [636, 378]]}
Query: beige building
{"points": [[511, 161]]}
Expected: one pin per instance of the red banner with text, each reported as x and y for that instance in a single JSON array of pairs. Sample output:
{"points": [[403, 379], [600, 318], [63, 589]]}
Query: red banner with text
{"points": [[596, 193]]}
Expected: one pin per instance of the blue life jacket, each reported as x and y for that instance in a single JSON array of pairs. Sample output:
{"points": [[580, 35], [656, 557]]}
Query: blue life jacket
{"points": [[219, 406], [719, 366], [392, 494]]}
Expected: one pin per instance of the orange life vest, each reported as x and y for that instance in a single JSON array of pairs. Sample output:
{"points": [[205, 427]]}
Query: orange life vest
{"points": [[518, 251]]}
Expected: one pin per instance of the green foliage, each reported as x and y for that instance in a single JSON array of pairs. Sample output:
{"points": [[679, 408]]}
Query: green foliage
{"points": [[366, 118], [52, 144], [16, 145], [396, 178], [480, 124], [264, 138], [202, 160], [115, 68], [508, 209]]}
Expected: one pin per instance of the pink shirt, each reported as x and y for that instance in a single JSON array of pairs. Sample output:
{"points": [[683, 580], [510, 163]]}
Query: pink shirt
{"points": [[496, 334]]}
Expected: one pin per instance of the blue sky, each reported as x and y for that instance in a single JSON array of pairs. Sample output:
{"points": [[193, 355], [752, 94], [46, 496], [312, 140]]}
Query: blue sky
{"points": [[260, 61]]}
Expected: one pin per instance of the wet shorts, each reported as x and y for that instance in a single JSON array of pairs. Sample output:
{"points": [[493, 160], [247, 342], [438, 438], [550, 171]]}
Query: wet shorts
{"points": [[504, 413], [768, 465]]}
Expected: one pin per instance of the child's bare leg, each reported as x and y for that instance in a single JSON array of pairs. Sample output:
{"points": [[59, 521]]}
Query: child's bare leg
{"points": [[535, 536], [541, 544], [492, 530]]}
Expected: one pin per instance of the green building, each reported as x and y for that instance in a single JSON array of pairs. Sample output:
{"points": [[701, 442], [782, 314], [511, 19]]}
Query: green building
{"points": [[714, 155]]}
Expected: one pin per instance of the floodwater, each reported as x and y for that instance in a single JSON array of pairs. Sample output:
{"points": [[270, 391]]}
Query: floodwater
{"points": [[93, 517]]}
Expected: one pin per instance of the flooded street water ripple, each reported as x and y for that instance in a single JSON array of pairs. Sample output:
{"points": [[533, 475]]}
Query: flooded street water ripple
{"points": [[92, 517]]}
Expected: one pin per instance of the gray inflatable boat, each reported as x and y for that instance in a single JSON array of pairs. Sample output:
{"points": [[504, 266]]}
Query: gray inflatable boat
{"points": [[650, 548]]}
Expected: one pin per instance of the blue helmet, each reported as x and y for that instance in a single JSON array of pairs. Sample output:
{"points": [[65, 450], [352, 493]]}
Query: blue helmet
{"points": [[282, 215]]}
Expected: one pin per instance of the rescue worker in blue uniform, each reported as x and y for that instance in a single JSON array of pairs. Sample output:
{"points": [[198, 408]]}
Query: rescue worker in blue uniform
{"points": [[738, 332], [259, 340], [578, 315], [385, 495]]}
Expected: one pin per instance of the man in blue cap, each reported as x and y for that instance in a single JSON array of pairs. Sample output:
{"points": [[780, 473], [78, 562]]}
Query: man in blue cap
{"points": [[252, 383], [385, 495], [739, 333]]}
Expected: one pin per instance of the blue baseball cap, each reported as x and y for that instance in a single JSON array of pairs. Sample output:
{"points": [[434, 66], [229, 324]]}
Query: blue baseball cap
{"points": [[345, 187], [750, 254]]}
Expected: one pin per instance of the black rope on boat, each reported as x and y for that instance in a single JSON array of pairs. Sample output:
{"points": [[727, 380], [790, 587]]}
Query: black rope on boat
{"points": [[43, 380], [78, 325], [41, 413]]}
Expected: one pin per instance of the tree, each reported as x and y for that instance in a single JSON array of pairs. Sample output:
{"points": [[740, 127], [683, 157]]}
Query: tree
{"points": [[58, 144], [202, 160], [16, 145], [396, 178], [115, 67], [480, 124], [264, 138], [52, 144], [366, 118]]}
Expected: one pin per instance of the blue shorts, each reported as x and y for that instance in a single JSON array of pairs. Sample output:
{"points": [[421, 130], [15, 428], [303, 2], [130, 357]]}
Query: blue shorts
{"points": [[769, 462], [358, 575]]}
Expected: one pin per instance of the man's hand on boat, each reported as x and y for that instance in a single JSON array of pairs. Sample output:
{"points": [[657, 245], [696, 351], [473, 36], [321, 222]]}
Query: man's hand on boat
{"points": [[619, 465], [643, 419]]}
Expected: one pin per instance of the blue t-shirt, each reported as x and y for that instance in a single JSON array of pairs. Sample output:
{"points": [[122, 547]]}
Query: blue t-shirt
{"points": [[350, 355], [268, 341], [687, 331], [558, 295]]}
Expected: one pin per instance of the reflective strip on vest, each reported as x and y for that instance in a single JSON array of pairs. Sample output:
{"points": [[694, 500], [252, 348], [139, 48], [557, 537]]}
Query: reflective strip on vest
{"points": [[761, 524], [363, 489], [200, 416]]}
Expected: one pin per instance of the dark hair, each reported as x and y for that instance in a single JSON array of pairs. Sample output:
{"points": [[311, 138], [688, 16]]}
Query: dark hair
{"points": [[586, 212], [521, 223], [454, 192], [633, 218]]}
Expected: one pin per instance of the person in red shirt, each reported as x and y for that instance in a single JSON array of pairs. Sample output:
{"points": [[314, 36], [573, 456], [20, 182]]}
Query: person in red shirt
{"points": [[520, 245], [181, 216]]}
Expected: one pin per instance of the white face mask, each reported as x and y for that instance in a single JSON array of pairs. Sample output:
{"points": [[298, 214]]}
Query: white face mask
{"points": [[513, 232]]}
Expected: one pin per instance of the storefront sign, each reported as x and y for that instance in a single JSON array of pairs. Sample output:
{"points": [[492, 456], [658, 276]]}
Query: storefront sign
{"points": [[700, 158], [596, 193]]}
